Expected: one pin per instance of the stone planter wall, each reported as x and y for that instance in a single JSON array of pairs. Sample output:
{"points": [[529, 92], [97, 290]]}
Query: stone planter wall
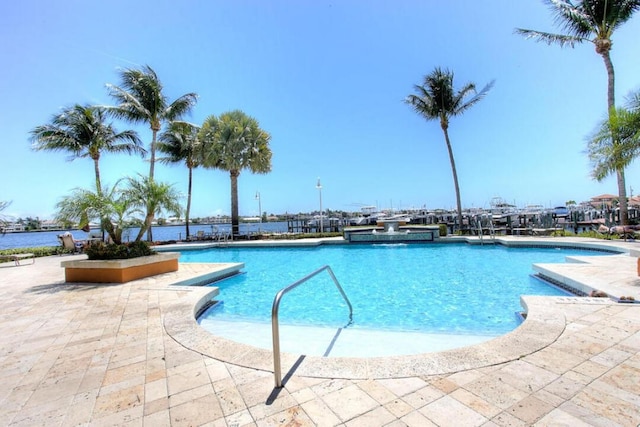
{"points": [[120, 271]]}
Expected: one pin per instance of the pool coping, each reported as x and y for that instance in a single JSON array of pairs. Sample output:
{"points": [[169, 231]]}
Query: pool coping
{"points": [[544, 323], [614, 246]]}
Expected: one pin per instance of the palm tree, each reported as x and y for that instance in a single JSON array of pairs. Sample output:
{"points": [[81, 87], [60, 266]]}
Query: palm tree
{"points": [[181, 144], [156, 196], [592, 21], [141, 100], [234, 142], [82, 130], [437, 100], [108, 205], [616, 142]]}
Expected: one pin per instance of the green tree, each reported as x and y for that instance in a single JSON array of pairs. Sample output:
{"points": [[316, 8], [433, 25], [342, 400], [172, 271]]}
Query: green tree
{"points": [[156, 196], [82, 130], [592, 21], [109, 205], [615, 144], [436, 99], [182, 144], [141, 99], [233, 142], [33, 223]]}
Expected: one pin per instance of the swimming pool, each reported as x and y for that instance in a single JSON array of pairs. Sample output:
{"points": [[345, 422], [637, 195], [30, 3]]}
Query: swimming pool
{"points": [[448, 289]]}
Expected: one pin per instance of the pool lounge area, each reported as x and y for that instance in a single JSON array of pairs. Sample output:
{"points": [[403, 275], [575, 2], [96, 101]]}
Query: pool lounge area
{"points": [[133, 354]]}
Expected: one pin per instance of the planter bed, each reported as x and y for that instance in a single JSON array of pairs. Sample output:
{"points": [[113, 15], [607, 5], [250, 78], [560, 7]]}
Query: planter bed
{"points": [[120, 270]]}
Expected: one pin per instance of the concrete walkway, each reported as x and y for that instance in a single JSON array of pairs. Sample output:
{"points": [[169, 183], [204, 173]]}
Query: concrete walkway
{"points": [[81, 354]]}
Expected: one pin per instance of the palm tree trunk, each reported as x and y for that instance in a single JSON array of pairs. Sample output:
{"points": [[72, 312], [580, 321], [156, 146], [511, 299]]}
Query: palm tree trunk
{"points": [[106, 225], [146, 227], [96, 167], [235, 220], [611, 104], [152, 153], [622, 191], [611, 96], [188, 200], [455, 174], [152, 163]]}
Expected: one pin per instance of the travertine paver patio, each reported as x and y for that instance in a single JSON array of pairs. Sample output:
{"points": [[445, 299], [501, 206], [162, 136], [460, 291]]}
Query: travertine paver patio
{"points": [[80, 354]]}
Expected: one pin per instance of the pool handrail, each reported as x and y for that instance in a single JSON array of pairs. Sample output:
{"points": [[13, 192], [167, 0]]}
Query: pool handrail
{"points": [[275, 329]]}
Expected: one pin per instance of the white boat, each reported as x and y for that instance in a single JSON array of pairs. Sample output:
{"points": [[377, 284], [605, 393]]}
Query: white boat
{"points": [[369, 215], [502, 212], [531, 210], [561, 211], [399, 218]]}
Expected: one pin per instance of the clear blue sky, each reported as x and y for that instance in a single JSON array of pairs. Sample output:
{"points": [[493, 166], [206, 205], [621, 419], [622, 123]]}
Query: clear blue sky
{"points": [[327, 79]]}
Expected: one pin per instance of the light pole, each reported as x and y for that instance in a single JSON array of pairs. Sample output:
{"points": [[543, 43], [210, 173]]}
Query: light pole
{"points": [[319, 187], [259, 207]]}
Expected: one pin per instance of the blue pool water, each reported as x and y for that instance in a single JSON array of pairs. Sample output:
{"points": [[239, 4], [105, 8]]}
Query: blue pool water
{"points": [[452, 289]]}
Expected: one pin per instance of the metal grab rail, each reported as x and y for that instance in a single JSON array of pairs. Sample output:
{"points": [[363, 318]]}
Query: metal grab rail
{"points": [[275, 329]]}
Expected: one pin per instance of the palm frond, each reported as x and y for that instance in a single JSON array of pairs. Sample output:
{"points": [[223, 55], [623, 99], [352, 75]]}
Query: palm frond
{"points": [[465, 105], [576, 20], [615, 144], [633, 101], [551, 38], [129, 107], [180, 106]]}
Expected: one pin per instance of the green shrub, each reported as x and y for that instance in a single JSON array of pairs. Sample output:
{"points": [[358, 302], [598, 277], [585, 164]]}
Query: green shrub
{"points": [[596, 235], [106, 251], [37, 251], [443, 230]]}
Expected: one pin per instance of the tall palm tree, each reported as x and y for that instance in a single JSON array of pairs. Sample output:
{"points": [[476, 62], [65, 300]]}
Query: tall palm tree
{"points": [[156, 196], [181, 143], [436, 99], [141, 99], [592, 21], [83, 131], [233, 142]]}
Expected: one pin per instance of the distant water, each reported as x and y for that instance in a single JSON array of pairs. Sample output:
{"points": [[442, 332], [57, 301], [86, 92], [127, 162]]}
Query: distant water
{"points": [[160, 233]]}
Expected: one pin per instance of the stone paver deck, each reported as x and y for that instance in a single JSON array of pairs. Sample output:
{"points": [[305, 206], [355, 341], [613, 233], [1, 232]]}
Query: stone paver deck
{"points": [[82, 354]]}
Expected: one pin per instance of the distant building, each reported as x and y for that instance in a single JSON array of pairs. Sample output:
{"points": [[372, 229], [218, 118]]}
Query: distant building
{"points": [[634, 201], [50, 225], [12, 228], [603, 200]]}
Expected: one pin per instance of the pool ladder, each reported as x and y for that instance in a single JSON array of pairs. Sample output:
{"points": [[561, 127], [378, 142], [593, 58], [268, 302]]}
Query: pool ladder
{"points": [[488, 226], [275, 328]]}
